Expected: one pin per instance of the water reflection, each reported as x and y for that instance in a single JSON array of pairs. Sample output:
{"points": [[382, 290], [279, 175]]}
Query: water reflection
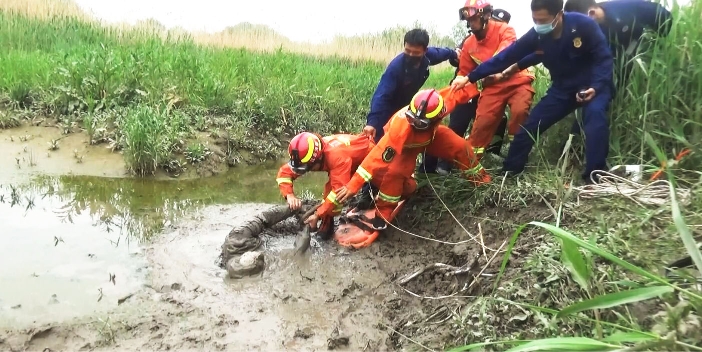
{"points": [[142, 207]]}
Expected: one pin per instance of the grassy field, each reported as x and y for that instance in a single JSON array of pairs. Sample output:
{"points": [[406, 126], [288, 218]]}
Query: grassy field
{"points": [[105, 78]]}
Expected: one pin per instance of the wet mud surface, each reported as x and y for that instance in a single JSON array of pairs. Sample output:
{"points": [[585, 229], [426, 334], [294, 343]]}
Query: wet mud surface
{"points": [[331, 298], [30, 150]]}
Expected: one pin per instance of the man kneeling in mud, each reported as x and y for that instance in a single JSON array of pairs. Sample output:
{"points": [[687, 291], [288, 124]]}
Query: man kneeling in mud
{"points": [[339, 155], [412, 130]]}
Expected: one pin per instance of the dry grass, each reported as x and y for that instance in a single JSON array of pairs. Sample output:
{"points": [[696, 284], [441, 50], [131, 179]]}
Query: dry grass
{"points": [[381, 47]]}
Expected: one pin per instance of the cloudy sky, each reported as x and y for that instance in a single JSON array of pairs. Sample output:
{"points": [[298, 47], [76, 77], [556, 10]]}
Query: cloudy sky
{"points": [[294, 19]]}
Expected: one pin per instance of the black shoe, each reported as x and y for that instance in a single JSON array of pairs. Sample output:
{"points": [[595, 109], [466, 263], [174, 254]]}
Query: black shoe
{"points": [[378, 224], [509, 173], [495, 148], [443, 167]]}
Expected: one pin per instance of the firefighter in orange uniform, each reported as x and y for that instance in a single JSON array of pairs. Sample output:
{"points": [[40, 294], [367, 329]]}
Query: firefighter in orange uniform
{"points": [[412, 130], [339, 155], [489, 38]]}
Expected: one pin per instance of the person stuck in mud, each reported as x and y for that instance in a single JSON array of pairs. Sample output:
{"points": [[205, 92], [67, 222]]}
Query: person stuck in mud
{"points": [[623, 22], [489, 38], [412, 130], [403, 77], [339, 155], [464, 114], [574, 50]]}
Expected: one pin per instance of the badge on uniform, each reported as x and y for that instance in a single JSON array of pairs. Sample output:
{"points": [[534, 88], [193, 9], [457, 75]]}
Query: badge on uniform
{"points": [[388, 154], [577, 42]]}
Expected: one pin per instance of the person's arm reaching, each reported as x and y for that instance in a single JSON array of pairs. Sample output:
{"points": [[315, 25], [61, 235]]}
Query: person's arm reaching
{"points": [[339, 176], [524, 46], [380, 107], [285, 180], [439, 55]]}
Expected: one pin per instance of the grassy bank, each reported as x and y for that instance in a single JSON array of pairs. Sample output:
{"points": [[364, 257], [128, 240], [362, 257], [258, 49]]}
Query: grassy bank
{"points": [[104, 79], [145, 94]]}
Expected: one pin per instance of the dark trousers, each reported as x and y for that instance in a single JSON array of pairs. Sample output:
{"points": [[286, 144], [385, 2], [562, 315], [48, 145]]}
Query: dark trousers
{"points": [[622, 74], [461, 117], [555, 106]]}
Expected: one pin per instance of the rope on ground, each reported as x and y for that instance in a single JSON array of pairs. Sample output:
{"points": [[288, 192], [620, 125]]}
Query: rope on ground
{"points": [[473, 238], [654, 193], [450, 270]]}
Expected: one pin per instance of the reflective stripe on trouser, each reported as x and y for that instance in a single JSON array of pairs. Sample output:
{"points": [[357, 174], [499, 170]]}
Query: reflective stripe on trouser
{"points": [[387, 202], [490, 111], [449, 146], [394, 182]]}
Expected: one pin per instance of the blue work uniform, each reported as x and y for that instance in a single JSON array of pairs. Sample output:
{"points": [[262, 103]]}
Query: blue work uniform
{"points": [[399, 83], [626, 20], [624, 23], [578, 60]]}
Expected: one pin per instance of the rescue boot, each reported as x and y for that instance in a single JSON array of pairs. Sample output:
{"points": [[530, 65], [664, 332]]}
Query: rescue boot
{"points": [[326, 229], [378, 224], [365, 199]]}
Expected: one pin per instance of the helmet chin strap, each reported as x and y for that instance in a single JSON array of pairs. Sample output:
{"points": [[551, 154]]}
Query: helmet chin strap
{"points": [[480, 33]]}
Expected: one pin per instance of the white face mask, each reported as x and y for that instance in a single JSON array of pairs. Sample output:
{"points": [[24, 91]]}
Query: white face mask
{"points": [[545, 28]]}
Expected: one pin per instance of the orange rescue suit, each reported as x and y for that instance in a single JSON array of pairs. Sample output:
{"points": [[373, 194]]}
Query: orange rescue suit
{"points": [[391, 163], [341, 155], [516, 91]]}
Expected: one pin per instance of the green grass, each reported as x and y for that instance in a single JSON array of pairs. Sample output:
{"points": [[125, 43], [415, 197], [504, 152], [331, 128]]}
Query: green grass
{"points": [[74, 70]]}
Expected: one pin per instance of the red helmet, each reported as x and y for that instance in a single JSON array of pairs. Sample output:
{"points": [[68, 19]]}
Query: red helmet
{"points": [[474, 7], [426, 106], [305, 150]]}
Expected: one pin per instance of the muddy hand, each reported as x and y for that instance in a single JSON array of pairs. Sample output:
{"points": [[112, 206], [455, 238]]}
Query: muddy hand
{"points": [[311, 221], [293, 202], [343, 194]]}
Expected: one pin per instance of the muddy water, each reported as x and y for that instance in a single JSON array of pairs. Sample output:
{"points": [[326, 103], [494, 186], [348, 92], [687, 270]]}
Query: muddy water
{"points": [[295, 304], [73, 246]]}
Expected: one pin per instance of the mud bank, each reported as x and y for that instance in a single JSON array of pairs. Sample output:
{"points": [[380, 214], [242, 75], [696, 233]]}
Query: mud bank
{"points": [[330, 299], [43, 148], [31, 150]]}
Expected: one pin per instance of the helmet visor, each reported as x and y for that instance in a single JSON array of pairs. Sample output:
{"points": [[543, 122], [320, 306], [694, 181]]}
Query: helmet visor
{"points": [[469, 12], [416, 122], [299, 168]]}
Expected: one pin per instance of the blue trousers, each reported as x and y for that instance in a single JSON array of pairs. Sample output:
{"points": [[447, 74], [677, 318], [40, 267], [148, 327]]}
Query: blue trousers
{"points": [[555, 106]]}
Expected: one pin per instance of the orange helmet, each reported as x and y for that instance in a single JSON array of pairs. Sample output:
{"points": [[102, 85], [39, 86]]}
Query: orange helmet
{"points": [[474, 7], [426, 107], [305, 150]]}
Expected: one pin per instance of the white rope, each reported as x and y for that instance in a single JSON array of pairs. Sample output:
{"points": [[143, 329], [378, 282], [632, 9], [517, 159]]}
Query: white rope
{"points": [[654, 193], [473, 238]]}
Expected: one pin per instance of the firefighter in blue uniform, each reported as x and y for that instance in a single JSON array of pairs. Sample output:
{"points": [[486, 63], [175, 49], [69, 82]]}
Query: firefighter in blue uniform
{"points": [[575, 52], [402, 79], [623, 22]]}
